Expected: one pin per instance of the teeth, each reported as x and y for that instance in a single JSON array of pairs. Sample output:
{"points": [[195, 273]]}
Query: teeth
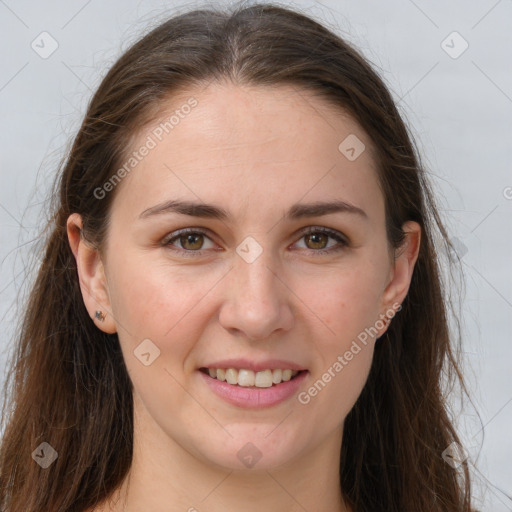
{"points": [[248, 378], [232, 376], [263, 379]]}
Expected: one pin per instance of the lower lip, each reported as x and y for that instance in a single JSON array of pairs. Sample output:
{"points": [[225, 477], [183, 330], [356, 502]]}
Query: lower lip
{"points": [[253, 397]]}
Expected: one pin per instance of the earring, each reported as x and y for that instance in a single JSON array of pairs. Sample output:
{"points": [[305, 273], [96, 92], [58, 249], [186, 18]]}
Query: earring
{"points": [[100, 316]]}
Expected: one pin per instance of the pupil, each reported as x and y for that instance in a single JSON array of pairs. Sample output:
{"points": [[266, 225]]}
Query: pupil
{"points": [[315, 238], [190, 239]]}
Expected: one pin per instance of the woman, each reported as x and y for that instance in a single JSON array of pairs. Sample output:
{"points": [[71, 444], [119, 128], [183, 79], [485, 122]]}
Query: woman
{"points": [[240, 304]]}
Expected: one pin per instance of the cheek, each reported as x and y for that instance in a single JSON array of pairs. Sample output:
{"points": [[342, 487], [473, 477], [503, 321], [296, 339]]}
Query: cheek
{"points": [[159, 305], [155, 299], [347, 301], [158, 310], [347, 305], [346, 377], [343, 357]]}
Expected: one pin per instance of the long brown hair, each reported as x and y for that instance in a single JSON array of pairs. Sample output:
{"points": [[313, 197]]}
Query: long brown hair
{"points": [[69, 386]]}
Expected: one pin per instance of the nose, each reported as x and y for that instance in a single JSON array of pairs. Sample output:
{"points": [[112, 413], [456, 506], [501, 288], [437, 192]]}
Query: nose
{"points": [[257, 299]]}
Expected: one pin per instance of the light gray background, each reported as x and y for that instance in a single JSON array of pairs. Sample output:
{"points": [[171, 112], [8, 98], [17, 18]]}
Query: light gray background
{"points": [[460, 110]]}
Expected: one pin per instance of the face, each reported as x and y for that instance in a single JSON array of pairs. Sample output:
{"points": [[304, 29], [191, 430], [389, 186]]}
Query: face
{"points": [[288, 268]]}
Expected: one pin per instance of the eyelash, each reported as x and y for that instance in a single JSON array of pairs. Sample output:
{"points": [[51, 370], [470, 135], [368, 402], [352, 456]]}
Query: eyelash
{"points": [[343, 243]]}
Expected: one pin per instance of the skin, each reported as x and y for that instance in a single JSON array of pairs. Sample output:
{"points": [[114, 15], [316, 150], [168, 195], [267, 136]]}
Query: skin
{"points": [[253, 151]]}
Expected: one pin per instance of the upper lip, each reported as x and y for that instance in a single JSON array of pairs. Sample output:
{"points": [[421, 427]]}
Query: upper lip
{"points": [[255, 366]]}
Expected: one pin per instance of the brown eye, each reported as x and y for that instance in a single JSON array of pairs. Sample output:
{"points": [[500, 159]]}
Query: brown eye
{"points": [[192, 241], [188, 242], [318, 240]]}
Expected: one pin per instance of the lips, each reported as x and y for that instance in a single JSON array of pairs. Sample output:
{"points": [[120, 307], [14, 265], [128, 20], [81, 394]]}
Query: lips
{"points": [[254, 385]]}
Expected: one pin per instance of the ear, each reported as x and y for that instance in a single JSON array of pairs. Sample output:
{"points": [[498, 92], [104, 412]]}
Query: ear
{"points": [[402, 267], [91, 275]]}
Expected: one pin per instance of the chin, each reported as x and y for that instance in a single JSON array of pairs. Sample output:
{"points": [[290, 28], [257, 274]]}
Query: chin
{"points": [[250, 450]]}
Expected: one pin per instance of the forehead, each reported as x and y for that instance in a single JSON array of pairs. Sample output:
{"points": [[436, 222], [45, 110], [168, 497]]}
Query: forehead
{"points": [[251, 145]]}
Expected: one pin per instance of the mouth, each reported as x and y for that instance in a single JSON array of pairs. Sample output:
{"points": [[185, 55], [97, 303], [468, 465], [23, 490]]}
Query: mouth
{"points": [[240, 377]]}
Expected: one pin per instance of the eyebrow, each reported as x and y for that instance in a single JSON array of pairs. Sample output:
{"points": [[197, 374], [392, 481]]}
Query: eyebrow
{"points": [[297, 211]]}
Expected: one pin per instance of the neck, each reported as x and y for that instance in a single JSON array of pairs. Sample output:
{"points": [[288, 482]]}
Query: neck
{"points": [[164, 477]]}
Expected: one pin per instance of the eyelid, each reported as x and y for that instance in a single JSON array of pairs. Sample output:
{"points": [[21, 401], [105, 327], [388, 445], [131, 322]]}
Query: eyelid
{"points": [[342, 240], [166, 242]]}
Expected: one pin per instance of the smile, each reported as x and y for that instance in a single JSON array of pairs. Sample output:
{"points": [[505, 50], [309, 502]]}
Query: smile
{"points": [[253, 389], [249, 378]]}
